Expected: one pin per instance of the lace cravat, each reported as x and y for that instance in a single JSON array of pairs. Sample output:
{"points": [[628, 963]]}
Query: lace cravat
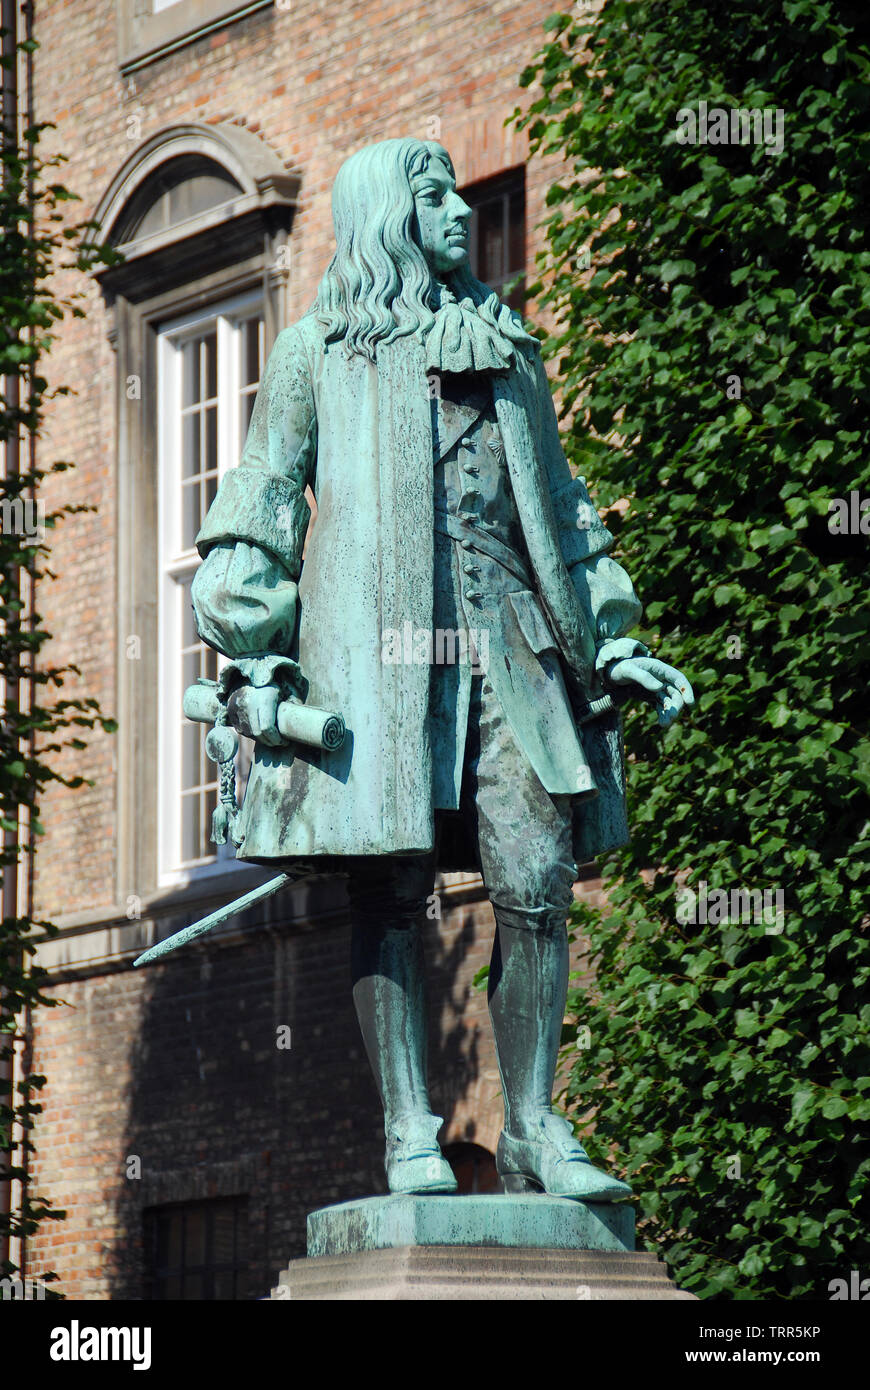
{"points": [[461, 341]]}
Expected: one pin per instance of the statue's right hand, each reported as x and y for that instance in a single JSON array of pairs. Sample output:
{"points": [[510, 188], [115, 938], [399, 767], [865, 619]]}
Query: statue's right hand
{"points": [[255, 710]]}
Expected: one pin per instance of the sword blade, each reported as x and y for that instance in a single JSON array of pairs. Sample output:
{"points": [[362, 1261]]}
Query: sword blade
{"points": [[181, 938]]}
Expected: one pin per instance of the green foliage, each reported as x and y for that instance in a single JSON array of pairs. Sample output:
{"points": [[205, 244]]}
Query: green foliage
{"points": [[727, 1063], [36, 721]]}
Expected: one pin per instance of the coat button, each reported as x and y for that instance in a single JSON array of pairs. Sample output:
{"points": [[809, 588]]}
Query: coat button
{"points": [[466, 442]]}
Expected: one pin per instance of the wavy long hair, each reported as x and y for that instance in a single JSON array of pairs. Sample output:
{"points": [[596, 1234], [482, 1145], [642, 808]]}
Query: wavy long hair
{"points": [[378, 286]]}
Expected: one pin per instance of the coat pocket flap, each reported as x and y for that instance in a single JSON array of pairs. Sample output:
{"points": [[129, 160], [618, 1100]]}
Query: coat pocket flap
{"points": [[532, 623]]}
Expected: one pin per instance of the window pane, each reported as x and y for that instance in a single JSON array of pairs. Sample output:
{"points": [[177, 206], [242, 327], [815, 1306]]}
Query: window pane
{"points": [[191, 518], [193, 195], [190, 667], [191, 741], [253, 333], [245, 419], [251, 365], [190, 452], [209, 367], [209, 807], [190, 372], [490, 243], [189, 635], [498, 244], [190, 840], [517, 231], [210, 460]]}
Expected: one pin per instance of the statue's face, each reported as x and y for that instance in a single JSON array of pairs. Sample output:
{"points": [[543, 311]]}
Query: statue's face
{"points": [[442, 219]]}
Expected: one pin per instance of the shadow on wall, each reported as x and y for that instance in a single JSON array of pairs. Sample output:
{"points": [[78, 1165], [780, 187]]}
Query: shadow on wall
{"points": [[460, 1039], [251, 1102]]}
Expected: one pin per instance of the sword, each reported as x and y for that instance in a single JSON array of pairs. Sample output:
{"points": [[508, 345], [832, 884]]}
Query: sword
{"points": [[182, 937]]}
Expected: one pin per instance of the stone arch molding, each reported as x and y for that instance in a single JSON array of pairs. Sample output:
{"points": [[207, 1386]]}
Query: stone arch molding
{"points": [[264, 204], [253, 165]]}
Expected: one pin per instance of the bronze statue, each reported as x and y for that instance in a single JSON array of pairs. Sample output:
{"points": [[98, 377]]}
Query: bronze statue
{"points": [[457, 606]]}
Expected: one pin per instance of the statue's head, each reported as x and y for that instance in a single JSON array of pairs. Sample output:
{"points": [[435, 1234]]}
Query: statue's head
{"points": [[400, 197], [401, 232]]}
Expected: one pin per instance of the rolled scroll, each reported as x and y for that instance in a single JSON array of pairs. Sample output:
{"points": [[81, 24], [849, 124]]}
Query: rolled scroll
{"points": [[316, 727], [297, 723]]}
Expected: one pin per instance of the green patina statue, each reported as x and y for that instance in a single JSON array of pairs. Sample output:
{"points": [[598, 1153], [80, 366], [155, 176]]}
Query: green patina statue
{"points": [[458, 608]]}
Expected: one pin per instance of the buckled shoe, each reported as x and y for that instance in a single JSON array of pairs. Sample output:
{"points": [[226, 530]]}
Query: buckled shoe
{"points": [[414, 1162], [554, 1162]]}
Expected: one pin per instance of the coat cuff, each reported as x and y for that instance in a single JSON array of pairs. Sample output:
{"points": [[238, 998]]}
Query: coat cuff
{"points": [[266, 668], [617, 649], [264, 509]]}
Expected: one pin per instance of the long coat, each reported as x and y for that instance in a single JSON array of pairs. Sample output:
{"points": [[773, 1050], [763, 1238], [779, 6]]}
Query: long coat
{"points": [[360, 435]]}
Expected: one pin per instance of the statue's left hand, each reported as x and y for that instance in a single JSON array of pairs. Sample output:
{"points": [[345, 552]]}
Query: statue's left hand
{"points": [[667, 687]]}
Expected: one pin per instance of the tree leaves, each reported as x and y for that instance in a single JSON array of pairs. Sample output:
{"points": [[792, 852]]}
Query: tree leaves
{"points": [[716, 370]]}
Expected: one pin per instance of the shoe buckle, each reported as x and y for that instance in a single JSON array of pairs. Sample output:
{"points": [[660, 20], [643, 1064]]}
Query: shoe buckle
{"points": [[416, 1138], [558, 1132]]}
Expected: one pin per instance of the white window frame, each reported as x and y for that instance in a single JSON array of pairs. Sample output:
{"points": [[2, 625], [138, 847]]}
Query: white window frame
{"points": [[176, 564]]}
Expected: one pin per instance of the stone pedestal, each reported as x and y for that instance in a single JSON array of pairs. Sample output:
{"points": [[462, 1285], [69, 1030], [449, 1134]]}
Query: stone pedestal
{"points": [[475, 1247]]}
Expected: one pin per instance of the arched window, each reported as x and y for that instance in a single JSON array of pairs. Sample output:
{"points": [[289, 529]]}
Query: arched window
{"points": [[201, 214]]}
